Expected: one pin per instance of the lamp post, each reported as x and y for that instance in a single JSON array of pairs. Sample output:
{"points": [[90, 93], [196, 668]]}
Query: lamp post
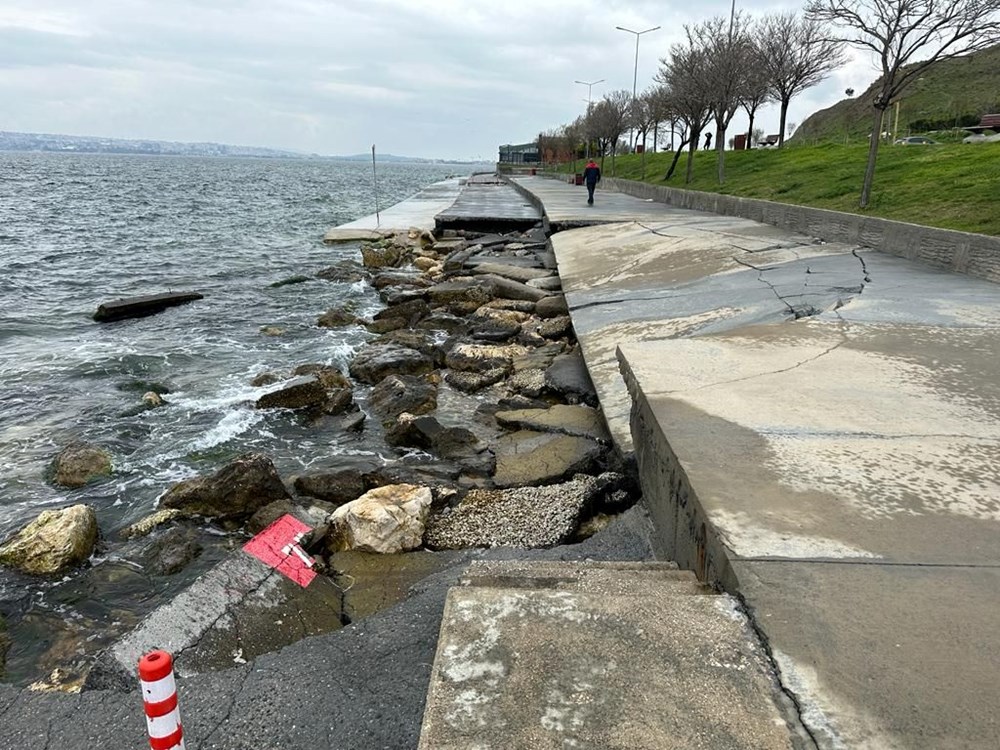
{"points": [[590, 85], [635, 70]]}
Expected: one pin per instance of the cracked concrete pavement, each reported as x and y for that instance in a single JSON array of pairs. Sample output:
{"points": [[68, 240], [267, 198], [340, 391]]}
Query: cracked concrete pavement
{"points": [[816, 425]]}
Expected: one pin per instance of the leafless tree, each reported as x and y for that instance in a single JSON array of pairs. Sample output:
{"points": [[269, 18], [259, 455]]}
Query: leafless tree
{"points": [[907, 37], [727, 56], [643, 116], [608, 120], [798, 53], [756, 90], [682, 75]]}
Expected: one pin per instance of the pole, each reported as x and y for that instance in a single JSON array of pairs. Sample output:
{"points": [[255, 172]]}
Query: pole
{"points": [[378, 219], [159, 699], [635, 69], [590, 85]]}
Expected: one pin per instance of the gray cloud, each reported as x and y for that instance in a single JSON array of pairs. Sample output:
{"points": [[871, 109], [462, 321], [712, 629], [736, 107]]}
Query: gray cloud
{"points": [[422, 77]]}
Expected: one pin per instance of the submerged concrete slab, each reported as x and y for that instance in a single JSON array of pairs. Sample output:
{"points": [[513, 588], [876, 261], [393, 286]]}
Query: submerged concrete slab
{"points": [[552, 668], [417, 211], [487, 203]]}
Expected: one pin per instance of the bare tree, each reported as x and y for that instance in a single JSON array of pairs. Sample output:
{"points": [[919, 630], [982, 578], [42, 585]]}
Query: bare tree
{"points": [[908, 37], [608, 120], [727, 55], [643, 116], [797, 54], [757, 90], [682, 75]]}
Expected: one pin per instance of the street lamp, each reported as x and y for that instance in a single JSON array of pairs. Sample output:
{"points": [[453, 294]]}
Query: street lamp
{"points": [[635, 71], [590, 85]]}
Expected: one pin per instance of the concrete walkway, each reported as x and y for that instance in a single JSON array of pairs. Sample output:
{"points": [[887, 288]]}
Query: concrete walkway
{"points": [[416, 211], [817, 429]]}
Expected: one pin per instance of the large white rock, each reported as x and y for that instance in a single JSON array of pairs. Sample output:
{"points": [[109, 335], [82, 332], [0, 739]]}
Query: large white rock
{"points": [[387, 520], [55, 541]]}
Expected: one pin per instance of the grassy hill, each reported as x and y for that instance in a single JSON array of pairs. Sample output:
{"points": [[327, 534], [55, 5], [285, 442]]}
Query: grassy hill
{"points": [[953, 186], [951, 94]]}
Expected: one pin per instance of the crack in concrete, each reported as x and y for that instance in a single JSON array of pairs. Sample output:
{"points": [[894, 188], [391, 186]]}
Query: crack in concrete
{"points": [[247, 672], [864, 269], [872, 563], [224, 613], [748, 612], [760, 277]]}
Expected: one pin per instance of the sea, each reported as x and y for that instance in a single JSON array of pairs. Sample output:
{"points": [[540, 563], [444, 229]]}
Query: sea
{"points": [[77, 230]]}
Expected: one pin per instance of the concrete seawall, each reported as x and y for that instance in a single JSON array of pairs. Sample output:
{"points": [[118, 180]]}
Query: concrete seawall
{"points": [[961, 252]]}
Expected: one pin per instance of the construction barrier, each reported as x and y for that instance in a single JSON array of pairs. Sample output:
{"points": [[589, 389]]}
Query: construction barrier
{"points": [[159, 698]]}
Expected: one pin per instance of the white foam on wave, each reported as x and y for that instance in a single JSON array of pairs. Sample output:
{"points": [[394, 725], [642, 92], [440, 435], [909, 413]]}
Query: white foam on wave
{"points": [[232, 424]]}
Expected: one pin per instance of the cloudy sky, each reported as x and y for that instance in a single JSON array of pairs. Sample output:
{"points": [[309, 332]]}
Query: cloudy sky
{"points": [[429, 78]]}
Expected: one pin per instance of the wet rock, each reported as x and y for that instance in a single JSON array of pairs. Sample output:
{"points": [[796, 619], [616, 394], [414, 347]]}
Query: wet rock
{"points": [[547, 283], [410, 311], [424, 264], [509, 289], [411, 281], [518, 273], [386, 325], [527, 457], [329, 376], [337, 487], [383, 256], [80, 463], [264, 379], [339, 401], [442, 321], [456, 259], [516, 305], [523, 517], [461, 296], [375, 362], [528, 382], [235, 492], [582, 421], [143, 386], [273, 511], [272, 331], [482, 357], [517, 401], [555, 328], [429, 434], [172, 552], [421, 340], [153, 400], [491, 324], [568, 375], [298, 279], [337, 317], [144, 526], [5, 644], [298, 393], [345, 273], [55, 541], [403, 393], [386, 520], [472, 382], [351, 421], [551, 306]]}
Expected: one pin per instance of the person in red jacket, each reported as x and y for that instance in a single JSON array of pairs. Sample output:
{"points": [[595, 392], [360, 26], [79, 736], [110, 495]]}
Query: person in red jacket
{"points": [[591, 176]]}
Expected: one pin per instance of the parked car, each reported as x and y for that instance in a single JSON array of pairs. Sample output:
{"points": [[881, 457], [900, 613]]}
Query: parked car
{"points": [[980, 138], [916, 140]]}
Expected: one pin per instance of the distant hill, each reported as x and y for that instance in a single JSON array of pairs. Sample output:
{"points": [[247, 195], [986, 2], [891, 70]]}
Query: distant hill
{"points": [[84, 144], [399, 159], [953, 93]]}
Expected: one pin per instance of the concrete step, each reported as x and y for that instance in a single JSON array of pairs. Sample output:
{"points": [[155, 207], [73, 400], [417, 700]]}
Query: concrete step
{"points": [[618, 578], [595, 655]]}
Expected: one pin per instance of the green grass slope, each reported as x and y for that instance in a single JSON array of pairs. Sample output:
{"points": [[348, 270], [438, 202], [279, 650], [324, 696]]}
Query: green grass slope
{"points": [[949, 94], [953, 186]]}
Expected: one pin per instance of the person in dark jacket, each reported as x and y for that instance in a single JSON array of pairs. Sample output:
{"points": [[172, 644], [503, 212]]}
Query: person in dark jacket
{"points": [[591, 176]]}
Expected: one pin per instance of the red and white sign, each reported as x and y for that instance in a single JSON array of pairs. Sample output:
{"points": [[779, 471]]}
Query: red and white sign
{"points": [[278, 547]]}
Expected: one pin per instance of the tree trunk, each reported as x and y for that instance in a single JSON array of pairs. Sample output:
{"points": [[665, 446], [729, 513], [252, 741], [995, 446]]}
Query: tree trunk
{"points": [[720, 148], [876, 138], [644, 157], [784, 116], [677, 158], [656, 130], [692, 147], [750, 131]]}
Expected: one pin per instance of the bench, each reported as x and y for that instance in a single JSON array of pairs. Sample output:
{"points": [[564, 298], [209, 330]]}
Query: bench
{"points": [[990, 121]]}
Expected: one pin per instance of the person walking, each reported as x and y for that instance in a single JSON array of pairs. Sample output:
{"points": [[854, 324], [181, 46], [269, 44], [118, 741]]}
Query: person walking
{"points": [[591, 176]]}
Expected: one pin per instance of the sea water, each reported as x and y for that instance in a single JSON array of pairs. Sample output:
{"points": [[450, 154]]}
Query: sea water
{"points": [[77, 230]]}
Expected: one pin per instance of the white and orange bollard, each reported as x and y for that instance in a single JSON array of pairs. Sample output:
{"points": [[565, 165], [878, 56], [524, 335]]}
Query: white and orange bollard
{"points": [[159, 698]]}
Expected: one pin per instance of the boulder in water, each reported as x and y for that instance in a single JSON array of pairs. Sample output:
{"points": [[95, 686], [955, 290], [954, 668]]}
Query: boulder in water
{"points": [[337, 487], [298, 393], [146, 525], [53, 542], [236, 491], [172, 552], [403, 393], [80, 463], [374, 362]]}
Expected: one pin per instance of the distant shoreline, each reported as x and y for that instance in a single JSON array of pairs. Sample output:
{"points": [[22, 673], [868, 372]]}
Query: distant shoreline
{"points": [[49, 143]]}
